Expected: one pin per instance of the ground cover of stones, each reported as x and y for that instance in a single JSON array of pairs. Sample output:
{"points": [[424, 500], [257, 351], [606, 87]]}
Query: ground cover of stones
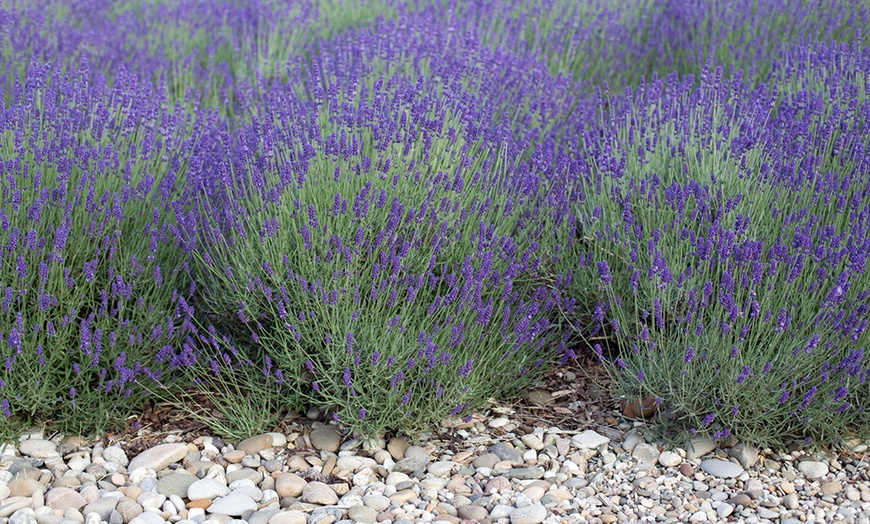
{"points": [[504, 466]]}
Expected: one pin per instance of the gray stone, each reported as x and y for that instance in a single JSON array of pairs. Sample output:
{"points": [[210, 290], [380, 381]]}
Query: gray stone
{"points": [[791, 501], [442, 468], [325, 516], [289, 517], [724, 510], [38, 448], [159, 456], [645, 453], [813, 469], [631, 441], [102, 507], [504, 452], [532, 442], [532, 514], [376, 502], [245, 473], [319, 493], [698, 447], [524, 473], [669, 459], [128, 508], [251, 491], [262, 516], [148, 517], [409, 465], [175, 484], [354, 463], [416, 452], [117, 455], [745, 454], [721, 468], [767, 513], [487, 460], [472, 512], [207, 489], [326, 438], [501, 511], [363, 514], [589, 440], [234, 505], [23, 516]]}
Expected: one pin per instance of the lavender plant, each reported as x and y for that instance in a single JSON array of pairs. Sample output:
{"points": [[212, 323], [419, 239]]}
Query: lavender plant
{"points": [[93, 293], [382, 253], [738, 293]]}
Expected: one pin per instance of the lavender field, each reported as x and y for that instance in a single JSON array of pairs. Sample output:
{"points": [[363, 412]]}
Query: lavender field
{"points": [[396, 210]]}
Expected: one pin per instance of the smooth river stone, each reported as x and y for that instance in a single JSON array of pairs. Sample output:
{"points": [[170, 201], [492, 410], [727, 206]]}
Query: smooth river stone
{"points": [[159, 457], [256, 444], [325, 438], [721, 468], [319, 493], [38, 448], [234, 505], [64, 498]]}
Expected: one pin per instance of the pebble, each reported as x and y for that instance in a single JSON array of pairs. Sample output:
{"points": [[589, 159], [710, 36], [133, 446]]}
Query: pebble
{"points": [[38, 448], [813, 469], [646, 454], [589, 440], [325, 438], [670, 459], [544, 476], [721, 468], [158, 457], [235, 505]]}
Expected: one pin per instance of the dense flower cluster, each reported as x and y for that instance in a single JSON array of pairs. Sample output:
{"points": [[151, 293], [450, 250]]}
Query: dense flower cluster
{"points": [[396, 210]]}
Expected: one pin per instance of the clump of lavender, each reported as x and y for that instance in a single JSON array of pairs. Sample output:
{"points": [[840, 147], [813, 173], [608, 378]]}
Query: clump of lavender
{"points": [[93, 294], [381, 251], [740, 298]]}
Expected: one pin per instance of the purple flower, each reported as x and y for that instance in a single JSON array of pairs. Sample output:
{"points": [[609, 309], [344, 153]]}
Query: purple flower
{"points": [[346, 378], [604, 272], [808, 397], [744, 374], [690, 354], [708, 419], [640, 375], [362, 413]]}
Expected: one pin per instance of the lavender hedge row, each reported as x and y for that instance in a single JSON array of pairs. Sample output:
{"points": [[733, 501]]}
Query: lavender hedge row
{"points": [[395, 212]]}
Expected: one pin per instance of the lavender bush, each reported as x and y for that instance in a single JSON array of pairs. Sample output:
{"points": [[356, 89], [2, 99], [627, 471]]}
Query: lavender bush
{"points": [[736, 269], [93, 294], [382, 254]]}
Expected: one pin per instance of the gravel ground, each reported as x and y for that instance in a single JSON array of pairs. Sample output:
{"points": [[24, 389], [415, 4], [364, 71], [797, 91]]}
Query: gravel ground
{"points": [[531, 462]]}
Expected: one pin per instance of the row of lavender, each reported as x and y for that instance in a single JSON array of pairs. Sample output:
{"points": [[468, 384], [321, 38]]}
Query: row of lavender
{"points": [[403, 212]]}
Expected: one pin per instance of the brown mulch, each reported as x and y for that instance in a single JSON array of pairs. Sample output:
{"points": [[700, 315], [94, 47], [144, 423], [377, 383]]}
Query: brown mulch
{"points": [[555, 401]]}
